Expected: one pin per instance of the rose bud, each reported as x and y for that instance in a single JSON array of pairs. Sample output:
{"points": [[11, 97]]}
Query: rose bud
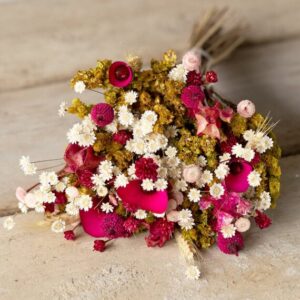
{"points": [[99, 245], [70, 235]]}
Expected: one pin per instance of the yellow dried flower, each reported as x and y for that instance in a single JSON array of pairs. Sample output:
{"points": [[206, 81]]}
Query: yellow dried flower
{"points": [[79, 108], [238, 125], [135, 62]]}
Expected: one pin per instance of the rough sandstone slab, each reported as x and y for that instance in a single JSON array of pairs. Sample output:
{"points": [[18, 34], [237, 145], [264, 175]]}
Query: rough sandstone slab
{"points": [[38, 264], [45, 41]]}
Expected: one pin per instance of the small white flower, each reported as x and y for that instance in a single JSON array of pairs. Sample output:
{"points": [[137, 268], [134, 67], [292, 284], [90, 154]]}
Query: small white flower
{"points": [[131, 97], [163, 141], [181, 185], [23, 208], [97, 180], [248, 154], [193, 273], [84, 202], [58, 226], [49, 197], [149, 116], [171, 152], [186, 220], [125, 117], [131, 171], [178, 73], [249, 135], [82, 135], [171, 131], [26, 166], [225, 157], [228, 231], [207, 177], [216, 190], [147, 185], [88, 124], [106, 170], [162, 172], [79, 87], [52, 178], [9, 223], [138, 146], [265, 201], [238, 150], [140, 214], [107, 208], [39, 208], [72, 209], [254, 179], [72, 192], [102, 191], [202, 161], [194, 195], [60, 187], [62, 109], [121, 181], [161, 184], [222, 171], [112, 127]]}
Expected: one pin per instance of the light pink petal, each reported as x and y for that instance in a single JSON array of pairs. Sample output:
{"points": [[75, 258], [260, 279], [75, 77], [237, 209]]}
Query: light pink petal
{"points": [[20, 194], [172, 205], [173, 216], [212, 130], [201, 124]]}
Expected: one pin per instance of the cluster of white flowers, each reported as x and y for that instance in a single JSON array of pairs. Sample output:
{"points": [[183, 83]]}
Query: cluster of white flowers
{"points": [[82, 133], [193, 273], [79, 87], [265, 201], [254, 179], [246, 153], [258, 141], [178, 73], [27, 167], [186, 220], [62, 109]]}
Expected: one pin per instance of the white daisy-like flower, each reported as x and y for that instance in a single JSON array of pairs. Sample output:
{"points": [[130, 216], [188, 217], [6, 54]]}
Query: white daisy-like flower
{"points": [[62, 109], [26, 166], [49, 197], [107, 208], [193, 273], [22, 207], [222, 171], [264, 144], [79, 87], [112, 127], [178, 73], [265, 201], [237, 150], [171, 131], [207, 177], [225, 157], [171, 152], [102, 191], [97, 180], [106, 170], [131, 171], [145, 127], [254, 179], [39, 208], [148, 185], [149, 116], [88, 124], [162, 172], [194, 195], [52, 178], [152, 145], [131, 97], [9, 223], [228, 231], [84, 202], [217, 190], [161, 184], [181, 185], [72, 209], [138, 146], [248, 154], [82, 135], [258, 141], [140, 214], [60, 187], [202, 161], [58, 226], [163, 141], [249, 135], [72, 192], [185, 219], [121, 181], [125, 117]]}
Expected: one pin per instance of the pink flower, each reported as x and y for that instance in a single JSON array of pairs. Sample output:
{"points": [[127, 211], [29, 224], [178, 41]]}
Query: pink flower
{"points": [[99, 245], [113, 199], [20, 194], [146, 168], [85, 178], [211, 76], [246, 108], [60, 198], [242, 224], [173, 216], [159, 233], [191, 173], [191, 61], [230, 245], [243, 207], [120, 74], [237, 180], [49, 207], [192, 96], [69, 235], [226, 114], [262, 220], [102, 114], [223, 219], [122, 137], [132, 225]]}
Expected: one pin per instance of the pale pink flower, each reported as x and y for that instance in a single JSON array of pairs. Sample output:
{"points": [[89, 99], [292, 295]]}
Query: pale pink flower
{"points": [[191, 173], [173, 216], [246, 108], [242, 225], [20, 194], [191, 61]]}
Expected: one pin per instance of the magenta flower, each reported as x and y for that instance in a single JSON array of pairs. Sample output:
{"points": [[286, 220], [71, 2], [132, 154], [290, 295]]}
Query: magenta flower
{"points": [[192, 96], [230, 245], [102, 114], [122, 136], [237, 180], [120, 74]]}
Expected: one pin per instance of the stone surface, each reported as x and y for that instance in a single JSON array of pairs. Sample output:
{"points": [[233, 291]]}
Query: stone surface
{"points": [[39, 264], [46, 41]]}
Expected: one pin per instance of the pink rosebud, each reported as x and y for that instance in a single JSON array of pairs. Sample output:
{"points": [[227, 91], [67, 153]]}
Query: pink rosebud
{"points": [[120, 74], [242, 224], [112, 199], [173, 216], [99, 245], [191, 173], [122, 137], [69, 235], [191, 60], [246, 108], [192, 96], [226, 114], [102, 114], [20, 194], [262, 220]]}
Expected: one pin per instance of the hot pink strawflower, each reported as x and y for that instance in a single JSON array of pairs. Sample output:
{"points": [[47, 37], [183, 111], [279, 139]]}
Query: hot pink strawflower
{"points": [[113, 226], [230, 245], [120, 74], [102, 114], [192, 96]]}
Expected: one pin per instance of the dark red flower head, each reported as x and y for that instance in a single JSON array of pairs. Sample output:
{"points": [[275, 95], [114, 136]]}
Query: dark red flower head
{"points": [[69, 235], [194, 78], [122, 136], [132, 225], [211, 76], [230, 245], [85, 178], [146, 168], [120, 74], [262, 220], [113, 226], [102, 114], [99, 245], [60, 198], [192, 96]]}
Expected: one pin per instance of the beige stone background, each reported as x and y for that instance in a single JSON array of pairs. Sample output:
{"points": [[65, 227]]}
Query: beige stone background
{"points": [[42, 43]]}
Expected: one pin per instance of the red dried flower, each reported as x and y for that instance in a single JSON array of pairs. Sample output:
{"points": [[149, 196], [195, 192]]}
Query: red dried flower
{"points": [[159, 233], [230, 245], [60, 198], [211, 76], [146, 168], [113, 226], [227, 145], [262, 220], [122, 136], [194, 78], [132, 225], [70, 235], [192, 96], [49, 207], [85, 178], [99, 245], [120, 74], [102, 114]]}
